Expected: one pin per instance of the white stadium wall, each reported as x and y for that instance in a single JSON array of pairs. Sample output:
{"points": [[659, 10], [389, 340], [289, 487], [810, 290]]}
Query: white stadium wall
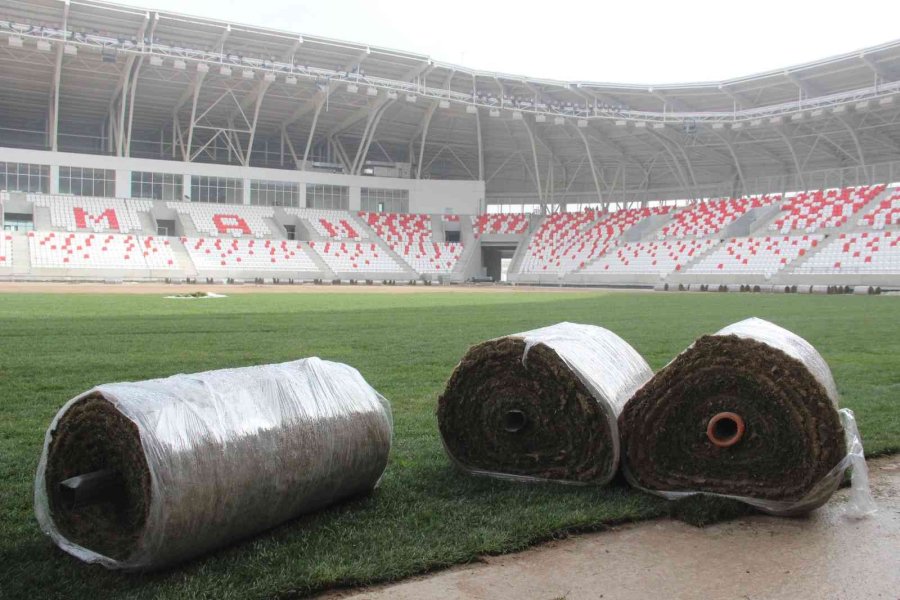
{"points": [[425, 196]]}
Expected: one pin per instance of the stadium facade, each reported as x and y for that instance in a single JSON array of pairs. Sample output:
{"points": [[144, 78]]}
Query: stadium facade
{"points": [[145, 144]]}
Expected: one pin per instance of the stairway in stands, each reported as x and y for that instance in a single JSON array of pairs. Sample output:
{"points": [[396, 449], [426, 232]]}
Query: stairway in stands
{"points": [[21, 254], [182, 259], [327, 273]]}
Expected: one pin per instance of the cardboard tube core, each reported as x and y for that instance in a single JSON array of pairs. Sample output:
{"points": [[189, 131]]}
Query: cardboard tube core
{"points": [[514, 421], [725, 429]]}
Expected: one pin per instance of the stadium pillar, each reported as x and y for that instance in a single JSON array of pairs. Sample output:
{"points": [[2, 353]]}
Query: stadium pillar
{"points": [[361, 157], [286, 140], [312, 133], [587, 149], [855, 138], [480, 145], [131, 106], [737, 164], [57, 77], [261, 93], [123, 107], [302, 199], [54, 117], [54, 179], [537, 166], [355, 198], [198, 81], [425, 125], [790, 146], [123, 183]]}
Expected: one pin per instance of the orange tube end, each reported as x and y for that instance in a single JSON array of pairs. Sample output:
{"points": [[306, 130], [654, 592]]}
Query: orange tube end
{"points": [[725, 429]]}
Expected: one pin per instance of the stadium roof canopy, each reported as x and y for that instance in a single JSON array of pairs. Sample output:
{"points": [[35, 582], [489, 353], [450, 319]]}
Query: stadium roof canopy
{"points": [[81, 75]]}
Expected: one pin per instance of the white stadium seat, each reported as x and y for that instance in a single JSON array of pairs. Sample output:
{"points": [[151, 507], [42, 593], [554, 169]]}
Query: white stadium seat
{"points": [[886, 214], [412, 238], [566, 242], [863, 253], [226, 220], [220, 254], [82, 213], [760, 256], [821, 209], [502, 224], [57, 250], [355, 257], [644, 258], [331, 224], [707, 218], [429, 257], [5, 250]]}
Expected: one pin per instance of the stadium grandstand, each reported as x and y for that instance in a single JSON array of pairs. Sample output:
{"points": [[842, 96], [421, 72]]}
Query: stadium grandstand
{"points": [[147, 145]]}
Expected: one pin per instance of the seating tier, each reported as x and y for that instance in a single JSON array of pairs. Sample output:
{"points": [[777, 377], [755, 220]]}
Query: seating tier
{"points": [[100, 215], [815, 210], [645, 258], [856, 253], [756, 255], [56, 250], [355, 257], [226, 220], [217, 254], [497, 223]]}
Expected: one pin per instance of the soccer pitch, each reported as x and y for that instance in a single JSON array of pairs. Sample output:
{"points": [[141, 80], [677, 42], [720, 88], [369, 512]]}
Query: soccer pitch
{"points": [[425, 515]]}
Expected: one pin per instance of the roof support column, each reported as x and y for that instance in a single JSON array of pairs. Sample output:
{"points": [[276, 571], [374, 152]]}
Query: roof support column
{"points": [[480, 145], [363, 151], [198, 82], [373, 114], [537, 168], [737, 164], [54, 108], [587, 150], [341, 153], [286, 139], [859, 152], [675, 165], [312, 134], [123, 107], [57, 78], [130, 125], [790, 146], [259, 101], [425, 125]]}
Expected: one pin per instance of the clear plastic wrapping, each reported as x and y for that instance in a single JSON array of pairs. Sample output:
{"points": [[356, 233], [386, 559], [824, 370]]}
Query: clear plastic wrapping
{"points": [[233, 452], [608, 367], [860, 502]]}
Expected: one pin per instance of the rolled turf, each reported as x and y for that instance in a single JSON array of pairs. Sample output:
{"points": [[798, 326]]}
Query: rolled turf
{"points": [[549, 414], [198, 461], [750, 412]]}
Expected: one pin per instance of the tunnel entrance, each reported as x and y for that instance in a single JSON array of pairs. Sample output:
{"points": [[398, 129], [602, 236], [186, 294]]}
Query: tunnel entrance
{"points": [[497, 258]]}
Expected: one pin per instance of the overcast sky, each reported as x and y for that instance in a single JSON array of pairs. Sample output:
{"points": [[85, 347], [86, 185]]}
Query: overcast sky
{"points": [[599, 40]]}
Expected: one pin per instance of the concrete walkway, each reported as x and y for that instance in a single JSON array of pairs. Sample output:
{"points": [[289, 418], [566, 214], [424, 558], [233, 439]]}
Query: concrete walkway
{"points": [[824, 556]]}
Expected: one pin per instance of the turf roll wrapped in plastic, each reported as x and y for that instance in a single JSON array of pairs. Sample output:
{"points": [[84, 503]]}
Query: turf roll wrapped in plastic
{"points": [[541, 405], [142, 475], [749, 413]]}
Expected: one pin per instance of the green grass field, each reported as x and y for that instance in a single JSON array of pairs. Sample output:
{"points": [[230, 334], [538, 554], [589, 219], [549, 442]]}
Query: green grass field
{"points": [[425, 515]]}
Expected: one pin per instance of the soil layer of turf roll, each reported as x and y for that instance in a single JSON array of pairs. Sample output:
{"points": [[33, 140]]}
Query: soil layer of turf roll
{"points": [[94, 436], [547, 415], [206, 459], [750, 412]]}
